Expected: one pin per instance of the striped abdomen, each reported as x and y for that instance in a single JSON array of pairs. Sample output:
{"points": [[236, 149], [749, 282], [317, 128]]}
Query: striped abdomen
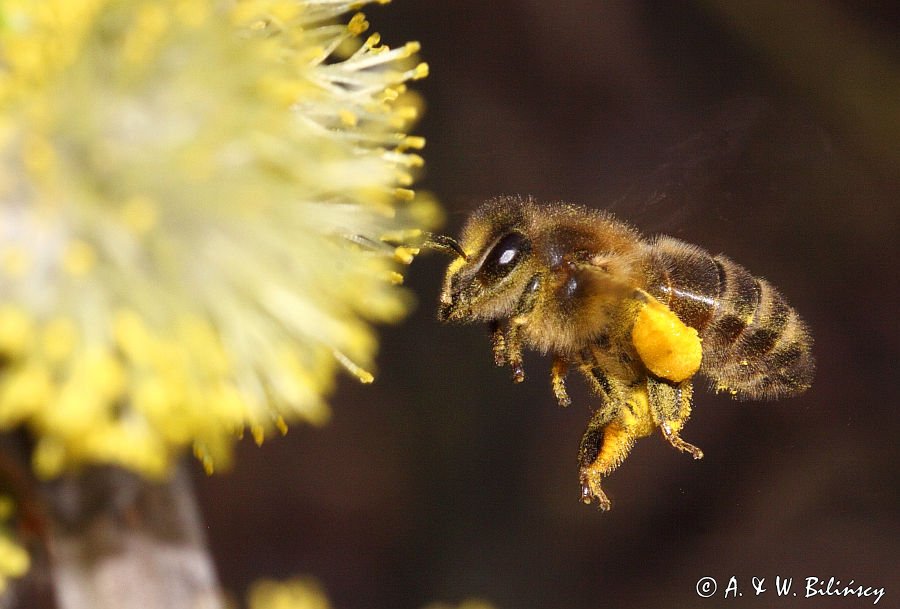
{"points": [[755, 345]]}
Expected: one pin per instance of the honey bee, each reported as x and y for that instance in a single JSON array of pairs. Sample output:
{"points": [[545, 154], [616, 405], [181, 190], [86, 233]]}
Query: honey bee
{"points": [[637, 317]]}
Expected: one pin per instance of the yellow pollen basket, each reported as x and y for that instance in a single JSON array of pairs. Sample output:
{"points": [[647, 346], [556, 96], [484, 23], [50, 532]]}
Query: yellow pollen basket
{"points": [[669, 348]]}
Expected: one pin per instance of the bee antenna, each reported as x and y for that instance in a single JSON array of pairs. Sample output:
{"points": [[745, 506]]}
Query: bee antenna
{"points": [[445, 244]]}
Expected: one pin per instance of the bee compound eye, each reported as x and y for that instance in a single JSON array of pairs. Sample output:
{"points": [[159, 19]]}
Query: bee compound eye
{"points": [[504, 256]]}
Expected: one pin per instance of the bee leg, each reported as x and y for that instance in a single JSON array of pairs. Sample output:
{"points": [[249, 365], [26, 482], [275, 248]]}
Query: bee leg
{"points": [[558, 379], [498, 343], [605, 445], [671, 407], [507, 348], [518, 319], [675, 440], [514, 352]]}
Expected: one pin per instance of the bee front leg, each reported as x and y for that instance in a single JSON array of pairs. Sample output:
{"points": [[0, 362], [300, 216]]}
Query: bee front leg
{"points": [[671, 407], [558, 379], [507, 348], [519, 318]]}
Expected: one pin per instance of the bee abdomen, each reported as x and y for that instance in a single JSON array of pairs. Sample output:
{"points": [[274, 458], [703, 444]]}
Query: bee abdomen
{"points": [[686, 279], [758, 346], [755, 345]]}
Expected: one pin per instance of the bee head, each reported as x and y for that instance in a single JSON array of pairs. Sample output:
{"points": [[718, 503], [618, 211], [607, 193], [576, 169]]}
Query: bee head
{"points": [[487, 279]]}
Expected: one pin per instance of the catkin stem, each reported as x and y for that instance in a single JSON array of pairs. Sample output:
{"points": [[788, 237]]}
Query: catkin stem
{"points": [[117, 541]]}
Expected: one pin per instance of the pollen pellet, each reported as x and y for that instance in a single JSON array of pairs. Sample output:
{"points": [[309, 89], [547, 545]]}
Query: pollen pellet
{"points": [[670, 349]]}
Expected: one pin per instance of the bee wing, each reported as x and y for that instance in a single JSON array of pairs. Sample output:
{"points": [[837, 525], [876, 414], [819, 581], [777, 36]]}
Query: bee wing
{"points": [[742, 163]]}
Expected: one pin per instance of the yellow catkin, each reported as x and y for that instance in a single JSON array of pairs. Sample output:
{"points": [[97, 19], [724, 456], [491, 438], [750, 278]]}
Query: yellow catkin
{"points": [[143, 316]]}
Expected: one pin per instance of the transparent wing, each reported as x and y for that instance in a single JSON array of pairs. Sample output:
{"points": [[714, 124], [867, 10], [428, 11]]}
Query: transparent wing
{"points": [[749, 161]]}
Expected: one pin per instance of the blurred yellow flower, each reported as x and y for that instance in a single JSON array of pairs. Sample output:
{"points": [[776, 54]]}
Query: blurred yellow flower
{"points": [[297, 593], [307, 593], [196, 203], [14, 560]]}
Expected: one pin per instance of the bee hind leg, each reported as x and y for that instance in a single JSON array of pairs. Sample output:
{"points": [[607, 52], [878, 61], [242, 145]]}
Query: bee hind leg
{"points": [[605, 444], [675, 440], [671, 407]]}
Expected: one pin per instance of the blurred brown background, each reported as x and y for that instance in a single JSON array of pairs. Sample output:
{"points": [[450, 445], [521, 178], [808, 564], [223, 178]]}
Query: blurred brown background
{"points": [[766, 133]]}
